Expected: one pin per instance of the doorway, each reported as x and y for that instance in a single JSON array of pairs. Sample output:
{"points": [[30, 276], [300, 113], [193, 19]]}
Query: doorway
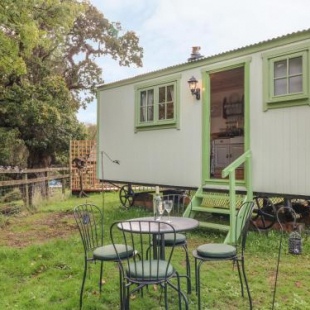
{"points": [[226, 120]]}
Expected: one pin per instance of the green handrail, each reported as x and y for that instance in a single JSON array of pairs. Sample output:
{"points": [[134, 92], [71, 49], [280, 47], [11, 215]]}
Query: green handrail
{"points": [[230, 171]]}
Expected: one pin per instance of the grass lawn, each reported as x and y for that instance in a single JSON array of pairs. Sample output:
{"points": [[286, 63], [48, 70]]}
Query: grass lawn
{"points": [[41, 259]]}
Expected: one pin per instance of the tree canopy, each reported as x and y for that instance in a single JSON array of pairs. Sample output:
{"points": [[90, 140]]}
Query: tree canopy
{"points": [[48, 70]]}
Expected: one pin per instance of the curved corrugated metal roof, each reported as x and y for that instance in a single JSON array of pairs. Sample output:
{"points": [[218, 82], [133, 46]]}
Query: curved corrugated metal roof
{"points": [[204, 58]]}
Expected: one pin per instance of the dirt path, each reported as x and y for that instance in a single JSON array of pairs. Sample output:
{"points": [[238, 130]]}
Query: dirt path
{"points": [[25, 229]]}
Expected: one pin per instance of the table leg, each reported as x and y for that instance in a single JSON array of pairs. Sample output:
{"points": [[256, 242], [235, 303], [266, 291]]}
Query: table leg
{"points": [[159, 246]]}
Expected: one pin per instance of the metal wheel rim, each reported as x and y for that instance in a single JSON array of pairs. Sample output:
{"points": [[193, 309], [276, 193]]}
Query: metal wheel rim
{"points": [[265, 211], [126, 196]]}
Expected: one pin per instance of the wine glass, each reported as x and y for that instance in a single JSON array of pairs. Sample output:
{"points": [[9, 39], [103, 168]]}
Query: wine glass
{"points": [[168, 207], [160, 210]]}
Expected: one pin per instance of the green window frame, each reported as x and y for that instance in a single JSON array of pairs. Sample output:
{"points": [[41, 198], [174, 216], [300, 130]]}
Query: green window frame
{"points": [[286, 81], [157, 105]]}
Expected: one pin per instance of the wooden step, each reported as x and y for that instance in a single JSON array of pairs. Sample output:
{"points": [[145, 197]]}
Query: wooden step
{"points": [[211, 210], [211, 195], [214, 226], [223, 188], [212, 200]]}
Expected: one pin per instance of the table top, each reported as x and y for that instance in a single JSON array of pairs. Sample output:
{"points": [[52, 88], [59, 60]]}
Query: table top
{"points": [[179, 224]]}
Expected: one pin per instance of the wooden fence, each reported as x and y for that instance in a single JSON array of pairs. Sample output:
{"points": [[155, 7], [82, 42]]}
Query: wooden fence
{"points": [[26, 180]]}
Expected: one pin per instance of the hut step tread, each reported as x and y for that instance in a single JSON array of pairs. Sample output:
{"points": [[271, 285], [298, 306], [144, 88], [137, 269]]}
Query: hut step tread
{"points": [[214, 226], [211, 210]]}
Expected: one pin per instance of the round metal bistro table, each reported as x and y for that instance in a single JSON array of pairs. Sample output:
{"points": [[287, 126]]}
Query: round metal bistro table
{"points": [[180, 224]]}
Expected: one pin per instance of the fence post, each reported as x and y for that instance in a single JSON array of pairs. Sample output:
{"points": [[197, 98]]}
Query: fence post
{"points": [[63, 186], [25, 177], [47, 189]]}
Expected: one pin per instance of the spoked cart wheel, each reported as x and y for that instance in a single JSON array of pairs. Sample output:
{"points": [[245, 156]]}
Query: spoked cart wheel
{"points": [[265, 213], [126, 196]]}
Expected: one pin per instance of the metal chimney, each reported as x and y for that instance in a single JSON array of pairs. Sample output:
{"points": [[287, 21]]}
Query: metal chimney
{"points": [[195, 53]]}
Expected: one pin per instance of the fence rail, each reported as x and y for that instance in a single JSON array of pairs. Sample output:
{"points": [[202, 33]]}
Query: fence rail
{"points": [[31, 181], [26, 180]]}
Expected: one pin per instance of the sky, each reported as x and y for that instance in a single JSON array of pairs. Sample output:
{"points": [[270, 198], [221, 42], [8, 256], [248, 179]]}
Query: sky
{"points": [[168, 29]]}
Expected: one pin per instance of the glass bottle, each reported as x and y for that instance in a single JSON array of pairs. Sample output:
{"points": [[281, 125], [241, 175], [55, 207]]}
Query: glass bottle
{"points": [[157, 204]]}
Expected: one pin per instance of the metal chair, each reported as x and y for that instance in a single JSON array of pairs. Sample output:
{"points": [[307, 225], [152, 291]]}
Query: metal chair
{"points": [[224, 252], [153, 268], [180, 202], [89, 220]]}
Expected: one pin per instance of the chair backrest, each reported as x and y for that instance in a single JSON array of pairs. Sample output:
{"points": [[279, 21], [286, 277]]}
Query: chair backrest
{"points": [[243, 221], [152, 264], [89, 220], [180, 202]]}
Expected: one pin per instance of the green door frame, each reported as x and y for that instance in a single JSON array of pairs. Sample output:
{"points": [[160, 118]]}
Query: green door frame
{"points": [[206, 116]]}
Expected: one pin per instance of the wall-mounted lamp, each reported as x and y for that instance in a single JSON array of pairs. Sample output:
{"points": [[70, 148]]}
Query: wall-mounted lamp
{"points": [[192, 82]]}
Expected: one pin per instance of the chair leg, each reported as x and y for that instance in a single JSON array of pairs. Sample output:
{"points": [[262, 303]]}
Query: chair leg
{"points": [[166, 296], [179, 292], [198, 287], [121, 291], [126, 297], [83, 283], [181, 295], [196, 282], [197, 271], [188, 271], [246, 284], [240, 278], [101, 272]]}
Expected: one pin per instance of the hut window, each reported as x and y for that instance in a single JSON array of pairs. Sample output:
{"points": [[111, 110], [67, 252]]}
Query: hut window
{"points": [[288, 76], [286, 79], [156, 106], [166, 103], [147, 106]]}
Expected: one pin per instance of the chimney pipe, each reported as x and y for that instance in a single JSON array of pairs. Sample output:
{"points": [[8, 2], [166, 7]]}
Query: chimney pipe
{"points": [[195, 53]]}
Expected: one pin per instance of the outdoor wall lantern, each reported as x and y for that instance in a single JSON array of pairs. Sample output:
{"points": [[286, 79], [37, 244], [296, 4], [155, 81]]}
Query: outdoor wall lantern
{"points": [[192, 82]]}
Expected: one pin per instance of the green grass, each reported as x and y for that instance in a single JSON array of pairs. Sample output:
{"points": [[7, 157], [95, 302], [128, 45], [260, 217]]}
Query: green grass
{"points": [[47, 274]]}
